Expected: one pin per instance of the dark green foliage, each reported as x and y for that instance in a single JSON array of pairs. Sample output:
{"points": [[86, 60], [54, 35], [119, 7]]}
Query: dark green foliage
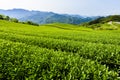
{"points": [[14, 20], [99, 20], [115, 18], [31, 23], [1, 17], [7, 18]]}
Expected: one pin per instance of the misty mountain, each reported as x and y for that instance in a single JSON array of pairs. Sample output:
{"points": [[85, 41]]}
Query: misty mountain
{"points": [[45, 17]]}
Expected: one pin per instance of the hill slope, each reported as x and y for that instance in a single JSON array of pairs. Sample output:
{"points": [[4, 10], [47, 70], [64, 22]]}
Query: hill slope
{"points": [[109, 22], [114, 18]]}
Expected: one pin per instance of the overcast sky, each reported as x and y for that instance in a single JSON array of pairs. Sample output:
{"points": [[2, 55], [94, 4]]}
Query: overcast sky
{"points": [[81, 7]]}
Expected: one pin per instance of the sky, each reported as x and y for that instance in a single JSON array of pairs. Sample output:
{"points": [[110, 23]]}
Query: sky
{"points": [[80, 7]]}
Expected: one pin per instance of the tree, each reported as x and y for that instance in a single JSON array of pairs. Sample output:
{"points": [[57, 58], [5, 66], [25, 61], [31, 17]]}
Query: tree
{"points": [[32, 23], [7, 18], [14, 20], [1, 17]]}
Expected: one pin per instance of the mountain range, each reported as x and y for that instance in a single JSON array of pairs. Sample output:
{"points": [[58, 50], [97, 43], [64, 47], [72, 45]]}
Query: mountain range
{"points": [[41, 17]]}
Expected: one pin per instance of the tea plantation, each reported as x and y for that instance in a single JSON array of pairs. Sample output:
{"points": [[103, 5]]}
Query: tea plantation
{"points": [[58, 52]]}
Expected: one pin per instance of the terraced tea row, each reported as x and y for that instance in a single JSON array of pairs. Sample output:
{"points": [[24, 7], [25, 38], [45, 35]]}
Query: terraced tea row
{"points": [[106, 39], [21, 61], [48, 52], [104, 53]]}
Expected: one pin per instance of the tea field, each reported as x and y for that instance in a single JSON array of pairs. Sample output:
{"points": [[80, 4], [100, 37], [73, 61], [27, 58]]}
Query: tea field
{"points": [[58, 52]]}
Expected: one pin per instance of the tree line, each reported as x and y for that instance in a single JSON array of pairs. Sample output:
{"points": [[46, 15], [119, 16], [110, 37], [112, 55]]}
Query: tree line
{"points": [[7, 18]]}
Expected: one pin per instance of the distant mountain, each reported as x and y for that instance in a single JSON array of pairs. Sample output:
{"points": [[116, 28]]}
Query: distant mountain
{"points": [[45, 17], [17, 13]]}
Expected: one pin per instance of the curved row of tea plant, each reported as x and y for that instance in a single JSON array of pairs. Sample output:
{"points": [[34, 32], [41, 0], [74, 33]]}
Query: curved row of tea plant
{"points": [[104, 53], [76, 53], [104, 38], [19, 61]]}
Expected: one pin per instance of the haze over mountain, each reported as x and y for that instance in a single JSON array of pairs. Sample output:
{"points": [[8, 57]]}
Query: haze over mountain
{"points": [[45, 17]]}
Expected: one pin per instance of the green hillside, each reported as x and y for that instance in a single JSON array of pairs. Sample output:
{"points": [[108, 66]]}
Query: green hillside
{"points": [[114, 18], [104, 23], [58, 52]]}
